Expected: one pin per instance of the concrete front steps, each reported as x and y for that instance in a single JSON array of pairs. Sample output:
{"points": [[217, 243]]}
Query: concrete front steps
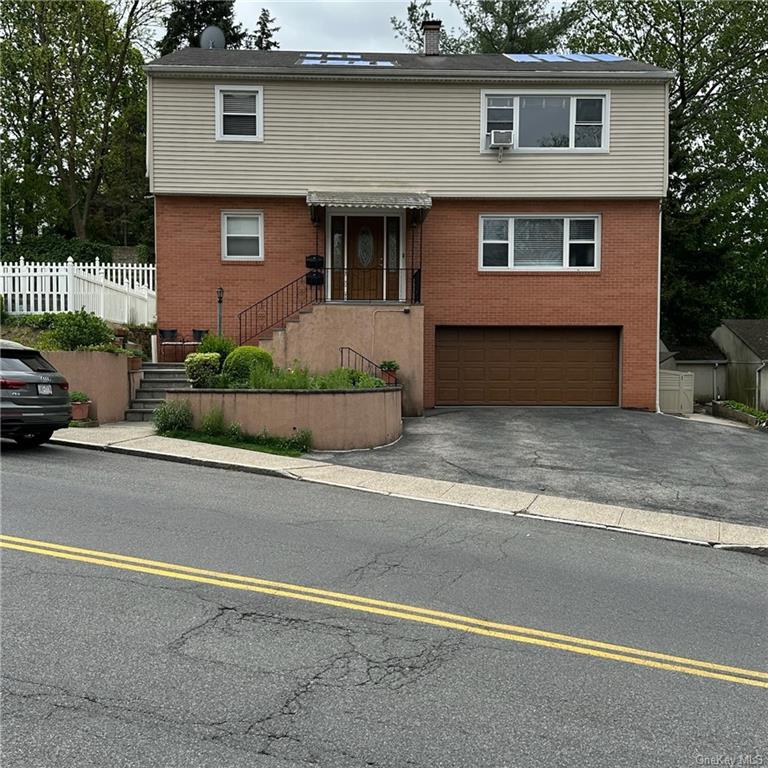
{"points": [[156, 379]]}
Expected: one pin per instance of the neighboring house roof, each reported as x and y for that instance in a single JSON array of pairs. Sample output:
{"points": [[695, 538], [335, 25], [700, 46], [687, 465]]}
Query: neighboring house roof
{"points": [[754, 333], [492, 66], [706, 351], [664, 353]]}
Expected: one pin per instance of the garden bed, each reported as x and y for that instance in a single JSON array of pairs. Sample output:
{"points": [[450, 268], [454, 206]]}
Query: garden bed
{"points": [[338, 419], [739, 412]]}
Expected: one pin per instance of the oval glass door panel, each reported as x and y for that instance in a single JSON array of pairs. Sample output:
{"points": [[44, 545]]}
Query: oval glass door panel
{"points": [[365, 247]]}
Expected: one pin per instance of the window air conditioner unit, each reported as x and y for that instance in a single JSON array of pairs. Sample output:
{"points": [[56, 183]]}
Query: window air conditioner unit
{"points": [[501, 139]]}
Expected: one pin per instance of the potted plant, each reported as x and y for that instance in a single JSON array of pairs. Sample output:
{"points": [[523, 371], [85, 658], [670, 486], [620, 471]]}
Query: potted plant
{"points": [[80, 404], [390, 368]]}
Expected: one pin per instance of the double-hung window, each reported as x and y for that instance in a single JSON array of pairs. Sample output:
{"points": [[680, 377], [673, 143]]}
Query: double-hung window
{"points": [[548, 121], [242, 236], [239, 113], [539, 243]]}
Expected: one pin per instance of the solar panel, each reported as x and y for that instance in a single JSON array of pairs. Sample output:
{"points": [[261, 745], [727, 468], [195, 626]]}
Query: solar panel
{"points": [[579, 57], [553, 58], [607, 57], [312, 55], [343, 59]]}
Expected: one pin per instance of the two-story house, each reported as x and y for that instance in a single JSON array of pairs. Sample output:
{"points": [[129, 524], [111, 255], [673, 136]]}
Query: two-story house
{"points": [[491, 222]]}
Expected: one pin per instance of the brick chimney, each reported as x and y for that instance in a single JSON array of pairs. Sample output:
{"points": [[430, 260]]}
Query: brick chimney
{"points": [[431, 30]]}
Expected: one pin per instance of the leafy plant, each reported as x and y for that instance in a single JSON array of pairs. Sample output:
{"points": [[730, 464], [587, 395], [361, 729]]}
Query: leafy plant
{"points": [[79, 397], [42, 322], [213, 422], [77, 330], [756, 412], [223, 345], [235, 432], [173, 416], [389, 365], [241, 360], [202, 369]]}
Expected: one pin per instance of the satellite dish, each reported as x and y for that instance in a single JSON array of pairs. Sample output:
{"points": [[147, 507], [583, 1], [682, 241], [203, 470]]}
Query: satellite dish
{"points": [[212, 37]]}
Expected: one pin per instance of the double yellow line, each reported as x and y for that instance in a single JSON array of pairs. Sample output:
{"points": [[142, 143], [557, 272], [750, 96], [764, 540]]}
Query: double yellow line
{"points": [[403, 611]]}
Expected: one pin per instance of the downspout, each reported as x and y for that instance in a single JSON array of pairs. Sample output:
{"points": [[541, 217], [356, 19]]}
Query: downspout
{"points": [[763, 363], [715, 366]]}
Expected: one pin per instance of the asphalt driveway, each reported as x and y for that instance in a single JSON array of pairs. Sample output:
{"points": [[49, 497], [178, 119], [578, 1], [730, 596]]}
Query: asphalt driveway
{"points": [[606, 455]]}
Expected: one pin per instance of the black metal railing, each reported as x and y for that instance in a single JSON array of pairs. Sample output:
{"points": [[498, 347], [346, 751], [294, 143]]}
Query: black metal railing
{"points": [[355, 285], [359, 284], [275, 309], [351, 358]]}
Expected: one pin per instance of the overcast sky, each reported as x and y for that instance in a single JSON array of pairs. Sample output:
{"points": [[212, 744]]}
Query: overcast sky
{"points": [[337, 25]]}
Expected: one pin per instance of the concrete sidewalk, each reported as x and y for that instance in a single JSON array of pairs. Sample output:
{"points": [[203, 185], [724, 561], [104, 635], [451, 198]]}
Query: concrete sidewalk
{"points": [[139, 439]]}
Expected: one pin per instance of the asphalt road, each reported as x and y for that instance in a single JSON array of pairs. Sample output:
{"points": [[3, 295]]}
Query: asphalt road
{"points": [[106, 666]]}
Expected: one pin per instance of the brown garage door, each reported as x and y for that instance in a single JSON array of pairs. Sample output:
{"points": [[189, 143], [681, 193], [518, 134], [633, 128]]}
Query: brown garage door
{"points": [[511, 365]]}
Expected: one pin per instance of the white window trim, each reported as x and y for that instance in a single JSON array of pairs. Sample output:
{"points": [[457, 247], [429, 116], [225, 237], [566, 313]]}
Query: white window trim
{"points": [[257, 89], [569, 92], [241, 212], [545, 270]]}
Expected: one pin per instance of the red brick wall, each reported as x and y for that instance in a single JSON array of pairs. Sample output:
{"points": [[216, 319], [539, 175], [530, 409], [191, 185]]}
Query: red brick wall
{"points": [[454, 292], [189, 265], [622, 293]]}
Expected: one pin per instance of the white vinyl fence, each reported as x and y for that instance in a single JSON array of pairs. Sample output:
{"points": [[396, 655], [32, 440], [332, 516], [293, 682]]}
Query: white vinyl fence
{"points": [[118, 293]]}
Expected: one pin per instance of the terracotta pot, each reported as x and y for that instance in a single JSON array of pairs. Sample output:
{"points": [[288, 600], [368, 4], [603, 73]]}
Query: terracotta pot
{"points": [[80, 411], [134, 363]]}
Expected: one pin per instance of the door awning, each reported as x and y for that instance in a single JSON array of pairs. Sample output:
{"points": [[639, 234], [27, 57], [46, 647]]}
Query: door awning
{"points": [[369, 199]]}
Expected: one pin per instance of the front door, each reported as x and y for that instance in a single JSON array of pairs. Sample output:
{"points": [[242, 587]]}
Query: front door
{"points": [[365, 258]]}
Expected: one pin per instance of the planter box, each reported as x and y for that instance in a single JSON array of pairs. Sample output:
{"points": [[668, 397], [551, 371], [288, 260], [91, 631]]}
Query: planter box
{"points": [[80, 411], [726, 412], [338, 419]]}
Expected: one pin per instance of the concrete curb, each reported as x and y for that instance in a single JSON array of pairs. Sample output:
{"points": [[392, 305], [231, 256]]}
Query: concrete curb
{"points": [[660, 525]]}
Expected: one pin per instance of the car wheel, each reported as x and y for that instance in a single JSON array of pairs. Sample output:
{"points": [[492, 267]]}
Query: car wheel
{"points": [[31, 439]]}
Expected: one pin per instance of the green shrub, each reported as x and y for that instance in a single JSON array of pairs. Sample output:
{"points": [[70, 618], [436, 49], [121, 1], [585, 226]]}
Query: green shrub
{"points": [[390, 365], [241, 359], [77, 330], [57, 249], [222, 381], [173, 416], [40, 322], [4, 316], [279, 378], [235, 432], [223, 345], [213, 423], [202, 369], [78, 397], [759, 414]]}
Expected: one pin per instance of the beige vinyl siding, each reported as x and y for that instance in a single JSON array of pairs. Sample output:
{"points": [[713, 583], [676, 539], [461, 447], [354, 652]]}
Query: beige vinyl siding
{"points": [[419, 136]]}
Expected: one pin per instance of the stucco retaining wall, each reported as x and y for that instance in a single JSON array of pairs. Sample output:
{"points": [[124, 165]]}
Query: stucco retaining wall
{"points": [[377, 331], [103, 376], [338, 419]]}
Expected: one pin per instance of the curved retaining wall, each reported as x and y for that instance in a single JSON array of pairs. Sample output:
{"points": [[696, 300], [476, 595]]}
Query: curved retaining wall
{"points": [[338, 419]]}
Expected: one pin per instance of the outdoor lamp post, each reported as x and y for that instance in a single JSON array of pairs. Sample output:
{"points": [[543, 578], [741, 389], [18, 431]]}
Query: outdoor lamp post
{"points": [[219, 300]]}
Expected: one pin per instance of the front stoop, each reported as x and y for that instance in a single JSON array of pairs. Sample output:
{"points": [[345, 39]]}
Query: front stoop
{"points": [[155, 380]]}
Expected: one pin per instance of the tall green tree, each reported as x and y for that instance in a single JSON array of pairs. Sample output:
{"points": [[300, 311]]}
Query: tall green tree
{"points": [[71, 71], [264, 34], [188, 18], [715, 219], [491, 26]]}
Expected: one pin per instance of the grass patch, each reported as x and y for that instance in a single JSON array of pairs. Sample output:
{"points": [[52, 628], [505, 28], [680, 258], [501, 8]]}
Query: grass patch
{"points": [[281, 446]]}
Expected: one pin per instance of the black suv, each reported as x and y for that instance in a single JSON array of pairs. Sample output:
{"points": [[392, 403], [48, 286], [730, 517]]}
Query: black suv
{"points": [[34, 396]]}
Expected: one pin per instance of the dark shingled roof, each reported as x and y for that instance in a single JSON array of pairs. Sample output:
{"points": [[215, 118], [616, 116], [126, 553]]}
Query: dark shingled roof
{"points": [[705, 350], [413, 64], [754, 333]]}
